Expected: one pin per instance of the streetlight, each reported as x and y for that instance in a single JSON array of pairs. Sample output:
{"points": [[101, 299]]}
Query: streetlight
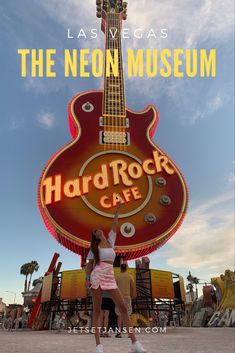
{"points": [[8, 291]]}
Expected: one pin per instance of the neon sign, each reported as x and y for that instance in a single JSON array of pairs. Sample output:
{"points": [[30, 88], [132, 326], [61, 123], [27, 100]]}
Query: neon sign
{"points": [[110, 174]]}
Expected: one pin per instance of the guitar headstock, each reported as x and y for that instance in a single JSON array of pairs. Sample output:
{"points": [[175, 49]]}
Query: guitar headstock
{"points": [[104, 7]]}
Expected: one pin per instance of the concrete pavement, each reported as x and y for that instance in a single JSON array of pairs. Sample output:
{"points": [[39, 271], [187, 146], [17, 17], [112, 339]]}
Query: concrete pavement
{"points": [[177, 340]]}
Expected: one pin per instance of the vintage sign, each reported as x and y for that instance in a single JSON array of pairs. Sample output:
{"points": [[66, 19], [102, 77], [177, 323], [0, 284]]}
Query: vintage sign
{"points": [[112, 158], [162, 284], [73, 285], [47, 288]]}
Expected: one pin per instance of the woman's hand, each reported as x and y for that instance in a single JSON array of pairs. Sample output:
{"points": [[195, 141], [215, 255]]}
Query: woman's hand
{"points": [[88, 280], [115, 220], [120, 205]]}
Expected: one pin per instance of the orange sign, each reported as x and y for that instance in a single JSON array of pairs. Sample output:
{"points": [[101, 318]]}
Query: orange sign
{"points": [[162, 284], [46, 288], [73, 284]]}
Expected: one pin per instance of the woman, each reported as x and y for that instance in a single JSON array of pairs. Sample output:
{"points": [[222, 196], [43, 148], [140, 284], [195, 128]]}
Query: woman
{"points": [[100, 276]]}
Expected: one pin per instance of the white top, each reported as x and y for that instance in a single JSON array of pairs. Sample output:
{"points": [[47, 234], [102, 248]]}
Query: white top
{"points": [[106, 254]]}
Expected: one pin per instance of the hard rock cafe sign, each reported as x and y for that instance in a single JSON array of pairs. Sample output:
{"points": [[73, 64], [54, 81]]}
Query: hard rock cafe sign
{"points": [[112, 158]]}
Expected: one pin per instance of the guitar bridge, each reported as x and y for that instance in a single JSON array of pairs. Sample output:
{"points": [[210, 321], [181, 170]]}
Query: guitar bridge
{"points": [[114, 138]]}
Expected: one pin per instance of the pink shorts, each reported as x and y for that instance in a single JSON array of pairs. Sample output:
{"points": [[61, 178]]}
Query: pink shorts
{"points": [[103, 276]]}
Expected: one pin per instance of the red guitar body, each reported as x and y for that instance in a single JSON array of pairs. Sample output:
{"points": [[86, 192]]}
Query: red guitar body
{"points": [[155, 202]]}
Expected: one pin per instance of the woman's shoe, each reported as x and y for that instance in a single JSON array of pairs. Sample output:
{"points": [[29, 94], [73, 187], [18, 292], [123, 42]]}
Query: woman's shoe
{"points": [[137, 348], [118, 335], [99, 348]]}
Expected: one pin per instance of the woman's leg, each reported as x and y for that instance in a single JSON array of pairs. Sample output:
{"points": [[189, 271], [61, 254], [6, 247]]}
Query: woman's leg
{"points": [[97, 299], [118, 300]]}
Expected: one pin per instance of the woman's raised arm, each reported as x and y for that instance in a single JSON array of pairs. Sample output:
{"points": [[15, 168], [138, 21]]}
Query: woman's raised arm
{"points": [[115, 220]]}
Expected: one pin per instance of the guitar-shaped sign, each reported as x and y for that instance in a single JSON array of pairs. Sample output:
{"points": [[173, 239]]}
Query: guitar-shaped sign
{"points": [[111, 158]]}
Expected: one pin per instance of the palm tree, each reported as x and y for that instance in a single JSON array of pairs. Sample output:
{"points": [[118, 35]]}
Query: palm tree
{"points": [[25, 270], [33, 267]]}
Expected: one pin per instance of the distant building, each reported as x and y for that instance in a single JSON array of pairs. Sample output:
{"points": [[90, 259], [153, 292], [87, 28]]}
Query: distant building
{"points": [[32, 293], [2, 307]]}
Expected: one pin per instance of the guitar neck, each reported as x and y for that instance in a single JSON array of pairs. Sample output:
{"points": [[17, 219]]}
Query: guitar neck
{"points": [[114, 93]]}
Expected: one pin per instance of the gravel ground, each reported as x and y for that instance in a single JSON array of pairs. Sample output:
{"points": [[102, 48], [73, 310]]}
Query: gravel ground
{"points": [[177, 340]]}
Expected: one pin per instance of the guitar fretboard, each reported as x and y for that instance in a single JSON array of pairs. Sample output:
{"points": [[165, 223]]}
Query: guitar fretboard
{"points": [[114, 110]]}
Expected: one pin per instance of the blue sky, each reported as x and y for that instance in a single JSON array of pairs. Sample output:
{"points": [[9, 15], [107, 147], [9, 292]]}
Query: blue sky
{"points": [[195, 127]]}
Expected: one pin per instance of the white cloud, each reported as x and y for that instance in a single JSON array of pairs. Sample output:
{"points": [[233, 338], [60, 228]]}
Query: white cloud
{"points": [[205, 241], [215, 103], [46, 120], [211, 106], [71, 12], [204, 23], [188, 23], [231, 178], [42, 85], [34, 84], [16, 123]]}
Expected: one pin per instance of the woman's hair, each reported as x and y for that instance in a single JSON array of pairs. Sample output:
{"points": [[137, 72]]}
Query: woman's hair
{"points": [[94, 247]]}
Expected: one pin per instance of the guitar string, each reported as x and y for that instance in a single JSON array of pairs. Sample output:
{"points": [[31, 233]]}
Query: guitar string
{"points": [[122, 141], [115, 106], [112, 87], [119, 96], [121, 88], [123, 96], [111, 46], [116, 84], [109, 142], [104, 93], [112, 99], [118, 90]]}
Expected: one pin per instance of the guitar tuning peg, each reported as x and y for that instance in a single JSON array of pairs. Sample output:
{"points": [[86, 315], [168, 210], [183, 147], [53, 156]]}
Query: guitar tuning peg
{"points": [[124, 4], [98, 8], [98, 14], [98, 2], [124, 17]]}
